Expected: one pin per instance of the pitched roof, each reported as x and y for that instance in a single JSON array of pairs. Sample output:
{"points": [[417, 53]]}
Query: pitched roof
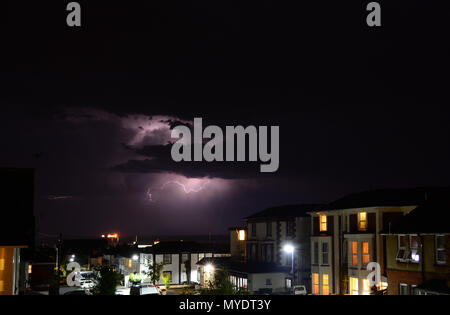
{"points": [[386, 197], [187, 247], [283, 212], [243, 267], [427, 218]]}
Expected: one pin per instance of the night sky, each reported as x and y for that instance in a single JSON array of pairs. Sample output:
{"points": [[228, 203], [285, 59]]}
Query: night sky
{"points": [[91, 108]]}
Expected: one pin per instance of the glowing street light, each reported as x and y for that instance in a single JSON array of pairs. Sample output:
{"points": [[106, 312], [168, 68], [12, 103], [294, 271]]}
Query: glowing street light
{"points": [[209, 268], [135, 257], [289, 248]]}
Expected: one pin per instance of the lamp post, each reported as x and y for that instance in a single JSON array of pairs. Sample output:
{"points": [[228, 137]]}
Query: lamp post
{"points": [[289, 248]]}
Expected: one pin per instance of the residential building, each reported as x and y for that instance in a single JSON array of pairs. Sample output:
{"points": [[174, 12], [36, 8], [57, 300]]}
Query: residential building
{"points": [[346, 237], [271, 229], [17, 225], [238, 242], [249, 276], [179, 259], [418, 251]]}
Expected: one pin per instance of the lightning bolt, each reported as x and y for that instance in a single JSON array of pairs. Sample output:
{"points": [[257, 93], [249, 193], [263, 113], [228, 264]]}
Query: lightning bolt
{"points": [[186, 189]]}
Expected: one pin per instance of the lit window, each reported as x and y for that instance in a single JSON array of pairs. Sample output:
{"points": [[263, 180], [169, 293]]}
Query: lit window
{"points": [[355, 253], [413, 255], [323, 223], [316, 283], [354, 286], [242, 235], [440, 249], [288, 283], [362, 219], [366, 287], [325, 286], [30, 268], [401, 253], [365, 253], [129, 263]]}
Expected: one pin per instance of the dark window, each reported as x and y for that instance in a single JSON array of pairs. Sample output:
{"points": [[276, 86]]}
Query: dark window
{"points": [[253, 251], [324, 253], [316, 253], [440, 249], [269, 281], [269, 229], [289, 228], [253, 229], [167, 259], [269, 252]]}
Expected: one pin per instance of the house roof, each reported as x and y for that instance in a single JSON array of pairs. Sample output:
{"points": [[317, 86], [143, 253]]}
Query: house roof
{"points": [[187, 247], [389, 197], [427, 218], [283, 212], [243, 267]]}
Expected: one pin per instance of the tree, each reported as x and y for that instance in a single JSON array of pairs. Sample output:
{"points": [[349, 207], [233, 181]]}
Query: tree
{"points": [[107, 282], [222, 285], [154, 271], [167, 279]]}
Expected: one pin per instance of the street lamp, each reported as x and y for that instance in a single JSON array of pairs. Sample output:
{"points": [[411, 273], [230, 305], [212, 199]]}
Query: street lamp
{"points": [[135, 257], [289, 248]]}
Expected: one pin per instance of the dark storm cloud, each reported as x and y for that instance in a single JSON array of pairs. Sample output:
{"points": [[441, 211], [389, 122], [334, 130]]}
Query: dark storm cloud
{"points": [[358, 108], [158, 159]]}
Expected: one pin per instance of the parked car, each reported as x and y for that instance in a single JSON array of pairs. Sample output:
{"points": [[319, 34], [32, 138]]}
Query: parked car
{"points": [[144, 289], [87, 284], [78, 292], [299, 290]]}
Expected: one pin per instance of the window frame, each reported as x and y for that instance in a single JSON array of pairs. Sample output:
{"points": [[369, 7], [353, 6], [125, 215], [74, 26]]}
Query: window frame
{"points": [[268, 229], [413, 250], [400, 248], [321, 223], [316, 284], [400, 286], [365, 227], [363, 254], [315, 252], [170, 259], [325, 253], [440, 249], [325, 285], [253, 225], [354, 255]]}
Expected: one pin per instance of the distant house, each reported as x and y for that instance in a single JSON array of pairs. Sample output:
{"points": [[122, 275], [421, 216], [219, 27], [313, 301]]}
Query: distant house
{"points": [[17, 225], [418, 251], [346, 237], [179, 258], [250, 276], [273, 228]]}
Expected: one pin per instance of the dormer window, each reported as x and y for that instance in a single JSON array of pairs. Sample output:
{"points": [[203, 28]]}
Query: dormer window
{"points": [[362, 221], [323, 222]]}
